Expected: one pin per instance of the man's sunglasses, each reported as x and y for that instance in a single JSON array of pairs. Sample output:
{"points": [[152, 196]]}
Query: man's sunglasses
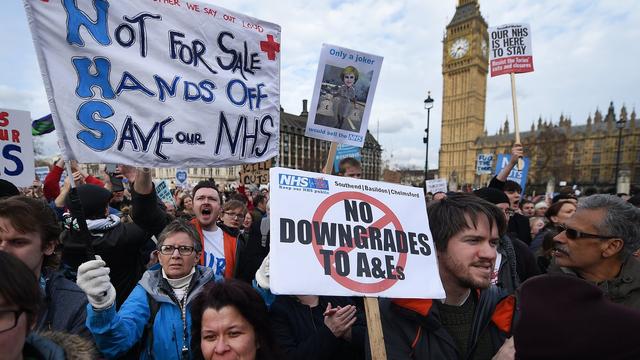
{"points": [[575, 234]]}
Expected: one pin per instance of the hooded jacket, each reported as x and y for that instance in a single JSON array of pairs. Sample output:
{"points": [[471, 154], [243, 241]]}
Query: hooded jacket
{"points": [[64, 307], [413, 330], [51, 345], [116, 333], [624, 289]]}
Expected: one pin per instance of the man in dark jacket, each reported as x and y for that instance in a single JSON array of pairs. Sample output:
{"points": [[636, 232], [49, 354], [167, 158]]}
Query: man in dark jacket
{"points": [[123, 246], [29, 230], [474, 319], [597, 245], [518, 223]]}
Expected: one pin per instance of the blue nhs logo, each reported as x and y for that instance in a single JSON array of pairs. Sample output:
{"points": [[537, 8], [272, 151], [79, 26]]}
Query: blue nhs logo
{"points": [[303, 182]]}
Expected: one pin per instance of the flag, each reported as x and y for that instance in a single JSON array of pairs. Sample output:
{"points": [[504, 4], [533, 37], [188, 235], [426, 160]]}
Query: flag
{"points": [[42, 126]]}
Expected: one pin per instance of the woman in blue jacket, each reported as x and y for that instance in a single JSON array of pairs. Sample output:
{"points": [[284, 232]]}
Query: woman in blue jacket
{"points": [[155, 319]]}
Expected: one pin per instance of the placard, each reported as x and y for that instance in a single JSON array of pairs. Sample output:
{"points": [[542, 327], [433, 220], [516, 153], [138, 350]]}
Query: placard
{"points": [[484, 164], [344, 151], [159, 83], [436, 185], [510, 50], [181, 177], [347, 236], [343, 95], [17, 157], [517, 175], [164, 192], [257, 174]]}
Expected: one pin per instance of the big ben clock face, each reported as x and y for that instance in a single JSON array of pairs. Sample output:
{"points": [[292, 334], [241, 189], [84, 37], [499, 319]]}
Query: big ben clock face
{"points": [[459, 48]]}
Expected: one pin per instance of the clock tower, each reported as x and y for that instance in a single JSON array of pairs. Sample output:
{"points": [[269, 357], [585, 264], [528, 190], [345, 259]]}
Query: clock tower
{"points": [[464, 71]]}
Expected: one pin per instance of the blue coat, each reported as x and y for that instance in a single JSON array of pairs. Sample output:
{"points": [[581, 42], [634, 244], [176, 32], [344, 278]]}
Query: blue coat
{"points": [[117, 332]]}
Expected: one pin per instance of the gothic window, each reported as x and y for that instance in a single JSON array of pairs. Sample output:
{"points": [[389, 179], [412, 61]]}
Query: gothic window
{"points": [[596, 158], [595, 174]]}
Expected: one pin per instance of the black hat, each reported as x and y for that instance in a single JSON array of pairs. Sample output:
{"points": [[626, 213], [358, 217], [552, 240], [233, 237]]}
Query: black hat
{"points": [[565, 317], [492, 195], [8, 189], [94, 200]]}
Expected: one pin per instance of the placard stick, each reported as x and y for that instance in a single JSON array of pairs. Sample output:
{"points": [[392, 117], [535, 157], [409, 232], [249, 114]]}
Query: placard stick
{"points": [[330, 158], [516, 124], [374, 328], [372, 310]]}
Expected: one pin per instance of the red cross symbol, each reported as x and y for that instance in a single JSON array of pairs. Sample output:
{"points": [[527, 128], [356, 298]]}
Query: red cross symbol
{"points": [[270, 47]]}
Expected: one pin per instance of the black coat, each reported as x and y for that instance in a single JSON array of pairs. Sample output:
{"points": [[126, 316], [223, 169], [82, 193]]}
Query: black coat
{"points": [[124, 248], [301, 333]]}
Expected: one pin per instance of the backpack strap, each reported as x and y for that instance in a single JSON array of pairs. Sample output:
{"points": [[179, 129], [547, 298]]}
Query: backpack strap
{"points": [[147, 333]]}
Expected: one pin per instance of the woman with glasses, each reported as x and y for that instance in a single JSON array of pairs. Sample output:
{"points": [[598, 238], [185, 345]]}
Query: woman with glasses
{"points": [[232, 219], [20, 299], [542, 244], [155, 319]]}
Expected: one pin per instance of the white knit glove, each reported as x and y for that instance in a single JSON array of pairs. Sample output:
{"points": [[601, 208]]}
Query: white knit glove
{"points": [[262, 275], [93, 279]]}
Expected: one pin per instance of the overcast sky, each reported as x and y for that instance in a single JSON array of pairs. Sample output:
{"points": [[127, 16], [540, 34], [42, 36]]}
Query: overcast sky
{"points": [[585, 55]]}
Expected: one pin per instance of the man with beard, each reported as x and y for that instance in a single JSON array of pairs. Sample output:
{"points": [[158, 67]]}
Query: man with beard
{"points": [[474, 319], [220, 250], [597, 243]]}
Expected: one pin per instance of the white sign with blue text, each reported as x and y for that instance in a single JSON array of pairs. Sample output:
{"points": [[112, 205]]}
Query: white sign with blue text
{"points": [[343, 95], [17, 158], [484, 164], [159, 83]]}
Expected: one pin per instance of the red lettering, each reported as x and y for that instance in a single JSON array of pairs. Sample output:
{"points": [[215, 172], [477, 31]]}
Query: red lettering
{"points": [[4, 118], [15, 136]]}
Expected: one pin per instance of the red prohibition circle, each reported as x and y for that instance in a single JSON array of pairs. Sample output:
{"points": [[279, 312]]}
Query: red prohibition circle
{"points": [[389, 216]]}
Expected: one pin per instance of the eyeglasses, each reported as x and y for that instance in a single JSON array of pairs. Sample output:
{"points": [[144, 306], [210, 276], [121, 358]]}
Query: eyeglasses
{"points": [[234, 215], [575, 234], [9, 319], [182, 249]]}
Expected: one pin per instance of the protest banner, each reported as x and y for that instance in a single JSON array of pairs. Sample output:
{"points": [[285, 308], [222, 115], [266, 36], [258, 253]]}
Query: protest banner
{"points": [[163, 191], [343, 152], [257, 174], [510, 50], [518, 175], [158, 84], [181, 178], [510, 54], [484, 164], [17, 158], [348, 237], [343, 95], [41, 172], [436, 185]]}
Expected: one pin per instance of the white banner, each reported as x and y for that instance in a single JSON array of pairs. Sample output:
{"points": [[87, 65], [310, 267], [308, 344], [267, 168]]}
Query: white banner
{"points": [[17, 158], [436, 185], [346, 236], [343, 95], [159, 83]]}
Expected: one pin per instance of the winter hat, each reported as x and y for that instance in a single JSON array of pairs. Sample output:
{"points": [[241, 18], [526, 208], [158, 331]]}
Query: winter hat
{"points": [[7, 189], [94, 200], [565, 317], [492, 195], [540, 205]]}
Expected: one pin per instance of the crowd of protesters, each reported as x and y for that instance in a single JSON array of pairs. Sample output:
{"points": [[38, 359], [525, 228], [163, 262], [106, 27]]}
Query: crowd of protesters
{"points": [[189, 278]]}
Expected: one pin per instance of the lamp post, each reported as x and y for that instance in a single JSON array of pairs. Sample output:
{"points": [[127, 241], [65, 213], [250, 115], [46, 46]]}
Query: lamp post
{"points": [[620, 125], [428, 104]]}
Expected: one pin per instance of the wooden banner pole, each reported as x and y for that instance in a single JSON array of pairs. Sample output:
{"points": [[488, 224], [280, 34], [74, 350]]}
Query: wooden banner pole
{"points": [[372, 310], [516, 124]]}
